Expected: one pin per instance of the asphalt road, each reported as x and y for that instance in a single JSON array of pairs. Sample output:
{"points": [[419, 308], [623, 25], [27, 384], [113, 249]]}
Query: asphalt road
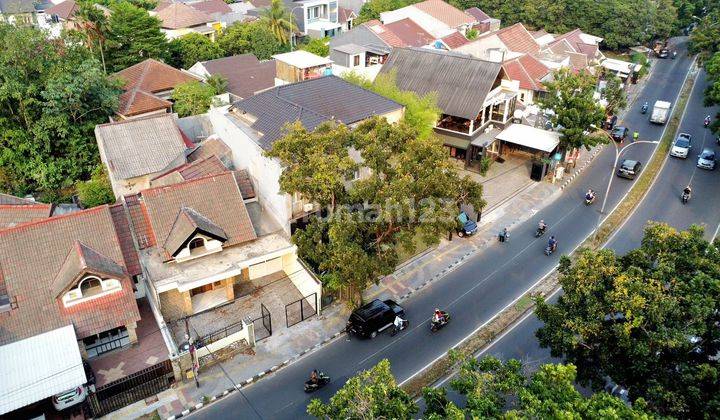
{"points": [[472, 293], [661, 204]]}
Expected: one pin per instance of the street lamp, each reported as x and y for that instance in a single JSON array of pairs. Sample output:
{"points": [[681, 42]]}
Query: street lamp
{"points": [[618, 152], [292, 21]]}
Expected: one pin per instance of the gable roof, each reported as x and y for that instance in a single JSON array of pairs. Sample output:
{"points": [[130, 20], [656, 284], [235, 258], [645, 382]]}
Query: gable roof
{"points": [[445, 13], [462, 82], [211, 6], [32, 254], [244, 73], [188, 223], [12, 7], [11, 199], [454, 40], [478, 14], [152, 76], [15, 214], [345, 14], [82, 259], [137, 102], [527, 70], [140, 146], [311, 102], [381, 31], [212, 146], [64, 10], [518, 39], [181, 15], [216, 197], [410, 33], [210, 165]]}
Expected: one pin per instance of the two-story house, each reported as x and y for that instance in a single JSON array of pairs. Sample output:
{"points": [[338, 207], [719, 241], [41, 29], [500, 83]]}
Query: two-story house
{"points": [[320, 18]]}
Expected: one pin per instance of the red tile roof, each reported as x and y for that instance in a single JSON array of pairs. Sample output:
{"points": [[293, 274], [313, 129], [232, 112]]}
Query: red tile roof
{"points": [[15, 214], [445, 13], [242, 177], [82, 259], [211, 146], [410, 33], [140, 222], [455, 40], [345, 15], [527, 70], [64, 10], [383, 33], [124, 234], [518, 39], [181, 15], [210, 165], [136, 102], [33, 253]]}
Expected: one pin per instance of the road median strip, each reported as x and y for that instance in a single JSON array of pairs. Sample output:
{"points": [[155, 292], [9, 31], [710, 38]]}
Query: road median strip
{"points": [[445, 365]]}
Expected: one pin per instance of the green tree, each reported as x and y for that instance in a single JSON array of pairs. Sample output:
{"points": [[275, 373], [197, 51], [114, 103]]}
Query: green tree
{"points": [[615, 95], [218, 82], [279, 20], [371, 9], [133, 36], [371, 394], [191, 48], [705, 39], [472, 34], [93, 25], [570, 97], [192, 98], [97, 190], [52, 94], [250, 38], [317, 46], [648, 320]]}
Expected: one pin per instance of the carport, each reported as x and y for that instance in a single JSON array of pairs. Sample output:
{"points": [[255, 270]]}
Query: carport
{"points": [[521, 137]]}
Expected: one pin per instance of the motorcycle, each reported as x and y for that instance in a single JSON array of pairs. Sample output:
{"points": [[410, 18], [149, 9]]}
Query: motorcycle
{"points": [[397, 329], [322, 380], [685, 197], [540, 232], [434, 326], [644, 109], [706, 123], [674, 54], [550, 249]]}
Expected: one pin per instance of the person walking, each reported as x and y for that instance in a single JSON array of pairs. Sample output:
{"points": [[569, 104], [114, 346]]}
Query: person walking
{"points": [[504, 235]]}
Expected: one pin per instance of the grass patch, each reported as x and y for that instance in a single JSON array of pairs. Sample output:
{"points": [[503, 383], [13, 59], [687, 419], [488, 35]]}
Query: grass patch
{"points": [[524, 303], [420, 247], [617, 55]]}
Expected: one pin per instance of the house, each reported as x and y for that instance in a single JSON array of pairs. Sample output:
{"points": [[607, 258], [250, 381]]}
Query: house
{"points": [[435, 17], [135, 151], [178, 19], [299, 65], [65, 12], [16, 210], [530, 73], [504, 44], [18, 12], [245, 74], [68, 286], [320, 18], [148, 88], [251, 126], [475, 96]]}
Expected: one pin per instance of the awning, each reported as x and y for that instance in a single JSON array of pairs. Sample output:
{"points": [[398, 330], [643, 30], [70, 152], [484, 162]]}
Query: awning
{"points": [[530, 137], [452, 141], [39, 367], [485, 138]]}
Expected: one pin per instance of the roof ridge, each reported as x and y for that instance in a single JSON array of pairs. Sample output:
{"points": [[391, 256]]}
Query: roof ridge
{"points": [[54, 219], [153, 190]]}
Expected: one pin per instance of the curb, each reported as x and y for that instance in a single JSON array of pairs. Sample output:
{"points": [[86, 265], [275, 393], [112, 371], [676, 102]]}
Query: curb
{"points": [[583, 167]]}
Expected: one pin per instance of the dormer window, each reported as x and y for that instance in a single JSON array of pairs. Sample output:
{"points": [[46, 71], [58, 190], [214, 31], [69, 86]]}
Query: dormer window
{"points": [[90, 287], [193, 235], [196, 243]]}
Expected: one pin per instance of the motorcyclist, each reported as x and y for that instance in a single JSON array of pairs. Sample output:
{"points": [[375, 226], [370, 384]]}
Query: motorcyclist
{"points": [[398, 322], [590, 195], [314, 377], [438, 316], [636, 135], [645, 107], [674, 54], [552, 243], [687, 191], [542, 226], [707, 121]]}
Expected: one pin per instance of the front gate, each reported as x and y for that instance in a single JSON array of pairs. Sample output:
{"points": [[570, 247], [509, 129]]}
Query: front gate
{"points": [[263, 324], [301, 309]]}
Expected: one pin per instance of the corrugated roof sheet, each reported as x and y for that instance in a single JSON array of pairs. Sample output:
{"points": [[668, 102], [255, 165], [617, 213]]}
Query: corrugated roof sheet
{"points": [[462, 82], [38, 367]]}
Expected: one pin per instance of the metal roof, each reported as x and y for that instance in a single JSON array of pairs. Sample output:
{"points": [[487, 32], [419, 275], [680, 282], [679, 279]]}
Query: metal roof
{"points": [[527, 136], [462, 82], [39, 367]]}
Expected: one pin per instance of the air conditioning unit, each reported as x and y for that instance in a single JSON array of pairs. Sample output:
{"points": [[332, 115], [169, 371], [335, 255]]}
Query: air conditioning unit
{"points": [[307, 208]]}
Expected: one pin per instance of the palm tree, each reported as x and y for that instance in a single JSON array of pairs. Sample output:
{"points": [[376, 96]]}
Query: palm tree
{"points": [[94, 24], [280, 20]]}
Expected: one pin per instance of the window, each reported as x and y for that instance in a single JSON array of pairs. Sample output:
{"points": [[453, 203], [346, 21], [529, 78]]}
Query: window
{"points": [[356, 60], [91, 286], [196, 243]]}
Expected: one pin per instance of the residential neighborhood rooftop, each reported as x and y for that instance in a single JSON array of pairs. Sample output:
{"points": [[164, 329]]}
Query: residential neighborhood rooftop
{"points": [[180, 15], [302, 59], [244, 73]]}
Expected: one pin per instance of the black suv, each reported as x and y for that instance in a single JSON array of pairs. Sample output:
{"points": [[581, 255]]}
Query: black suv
{"points": [[374, 317]]}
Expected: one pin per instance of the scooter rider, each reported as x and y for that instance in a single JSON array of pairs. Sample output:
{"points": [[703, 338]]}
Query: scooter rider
{"points": [[707, 121], [542, 226], [438, 316], [314, 377], [552, 243], [398, 323], [590, 195], [674, 54], [645, 107], [687, 191]]}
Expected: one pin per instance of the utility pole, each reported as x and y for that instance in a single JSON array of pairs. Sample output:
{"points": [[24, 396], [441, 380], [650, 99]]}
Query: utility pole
{"points": [[193, 353]]}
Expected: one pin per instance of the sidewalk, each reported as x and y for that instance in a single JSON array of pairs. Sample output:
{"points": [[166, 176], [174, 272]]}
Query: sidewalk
{"points": [[524, 199]]}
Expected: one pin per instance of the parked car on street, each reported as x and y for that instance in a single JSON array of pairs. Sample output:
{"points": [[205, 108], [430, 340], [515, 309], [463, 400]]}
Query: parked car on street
{"points": [[373, 318], [629, 169], [706, 159], [466, 226], [681, 147], [620, 133]]}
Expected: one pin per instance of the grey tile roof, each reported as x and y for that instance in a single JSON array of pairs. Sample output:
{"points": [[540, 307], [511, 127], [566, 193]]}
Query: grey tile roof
{"points": [[462, 82], [140, 146], [245, 73], [311, 102], [11, 7]]}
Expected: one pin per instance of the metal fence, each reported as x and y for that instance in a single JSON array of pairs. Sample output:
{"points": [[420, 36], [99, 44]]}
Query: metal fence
{"points": [[220, 334], [132, 388], [301, 309], [106, 346], [263, 324]]}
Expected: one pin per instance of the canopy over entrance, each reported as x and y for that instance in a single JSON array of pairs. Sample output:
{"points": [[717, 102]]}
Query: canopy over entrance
{"points": [[530, 137]]}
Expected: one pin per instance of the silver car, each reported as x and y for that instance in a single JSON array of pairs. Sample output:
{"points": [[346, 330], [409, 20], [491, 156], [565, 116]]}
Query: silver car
{"points": [[706, 159], [681, 147]]}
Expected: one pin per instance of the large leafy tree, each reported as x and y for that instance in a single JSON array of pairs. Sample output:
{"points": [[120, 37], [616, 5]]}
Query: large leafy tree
{"points": [[615, 95], [648, 320], [52, 95], [317, 46], [192, 98], [371, 394], [371, 9], [570, 97], [408, 190], [250, 37], [279, 20], [705, 39], [133, 36], [191, 48]]}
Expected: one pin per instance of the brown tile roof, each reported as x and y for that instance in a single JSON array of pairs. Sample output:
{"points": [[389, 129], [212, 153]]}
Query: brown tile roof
{"points": [[11, 199], [410, 33], [181, 15], [383, 33], [518, 39], [187, 223], [211, 6], [578, 61], [64, 10], [213, 146], [140, 146], [153, 76], [81, 260], [140, 222], [576, 44], [211, 165], [217, 197], [345, 15], [136, 102], [124, 234], [245, 74], [478, 14], [527, 70], [32, 254], [242, 177], [445, 13], [15, 214], [454, 40]]}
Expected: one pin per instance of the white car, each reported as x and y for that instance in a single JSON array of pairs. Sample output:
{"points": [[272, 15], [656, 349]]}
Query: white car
{"points": [[681, 147], [69, 398]]}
